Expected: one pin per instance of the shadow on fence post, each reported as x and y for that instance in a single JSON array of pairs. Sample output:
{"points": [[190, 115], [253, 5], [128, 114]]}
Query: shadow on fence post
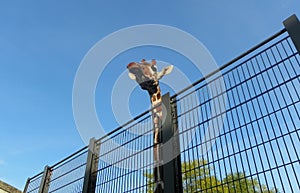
{"points": [[292, 25], [172, 170], [90, 177], [44, 187]]}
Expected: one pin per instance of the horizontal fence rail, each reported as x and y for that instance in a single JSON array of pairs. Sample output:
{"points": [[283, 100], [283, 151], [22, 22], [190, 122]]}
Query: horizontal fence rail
{"points": [[236, 130]]}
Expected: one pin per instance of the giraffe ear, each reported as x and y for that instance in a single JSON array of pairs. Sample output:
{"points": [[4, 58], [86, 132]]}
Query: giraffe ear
{"points": [[131, 76], [166, 70]]}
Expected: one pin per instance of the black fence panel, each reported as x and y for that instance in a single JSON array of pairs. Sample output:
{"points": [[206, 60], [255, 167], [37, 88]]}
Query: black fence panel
{"points": [[252, 145], [126, 158], [33, 184], [68, 176]]}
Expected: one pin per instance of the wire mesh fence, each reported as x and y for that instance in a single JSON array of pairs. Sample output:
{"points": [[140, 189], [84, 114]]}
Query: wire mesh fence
{"points": [[250, 144], [126, 158], [69, 175], [257, 147], [34, 183]]}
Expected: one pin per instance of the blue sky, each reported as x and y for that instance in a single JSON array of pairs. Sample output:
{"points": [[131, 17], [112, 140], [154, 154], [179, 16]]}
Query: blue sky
{"points": [[43, 42]]}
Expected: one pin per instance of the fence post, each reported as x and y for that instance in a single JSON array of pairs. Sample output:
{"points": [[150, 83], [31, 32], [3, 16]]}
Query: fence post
{"points": [[90, 177], [292, 25], [171, 148], [26, 185], [44, 187]]}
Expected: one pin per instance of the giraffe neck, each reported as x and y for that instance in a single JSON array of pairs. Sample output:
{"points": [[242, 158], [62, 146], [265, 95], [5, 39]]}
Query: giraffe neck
{"points": [[156, 102], [156, 97]]}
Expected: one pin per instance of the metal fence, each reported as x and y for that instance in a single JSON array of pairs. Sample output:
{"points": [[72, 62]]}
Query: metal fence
{"points": [[33, 184], [68, 176], [257, 147], [249, 145], [122, 167]]}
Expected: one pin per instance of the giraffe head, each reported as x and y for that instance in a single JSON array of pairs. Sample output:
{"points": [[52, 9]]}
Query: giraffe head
{"points": [[146, 74]]}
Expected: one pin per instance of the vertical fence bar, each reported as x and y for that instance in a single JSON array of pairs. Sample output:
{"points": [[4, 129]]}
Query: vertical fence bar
{"points": [[170, 150], [292, 25], [44, 187], [90, 176]]}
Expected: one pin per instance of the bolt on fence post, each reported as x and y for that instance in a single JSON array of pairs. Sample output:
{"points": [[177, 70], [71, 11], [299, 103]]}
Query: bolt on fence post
{"points": [[44, 187], [171, 148], [90, 177], [292, 25]]}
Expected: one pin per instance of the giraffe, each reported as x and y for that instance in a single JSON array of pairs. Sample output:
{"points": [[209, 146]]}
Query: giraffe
{"points": [[146, 75]]}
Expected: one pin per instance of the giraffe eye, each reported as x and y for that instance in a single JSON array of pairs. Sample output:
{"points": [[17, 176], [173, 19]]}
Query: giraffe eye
{"points": [[154, 68]]}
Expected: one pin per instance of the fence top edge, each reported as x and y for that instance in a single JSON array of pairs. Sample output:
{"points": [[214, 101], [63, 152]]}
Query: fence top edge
{"points": [[70, 156], [249, 51], [35, 176], [125, 124]]}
